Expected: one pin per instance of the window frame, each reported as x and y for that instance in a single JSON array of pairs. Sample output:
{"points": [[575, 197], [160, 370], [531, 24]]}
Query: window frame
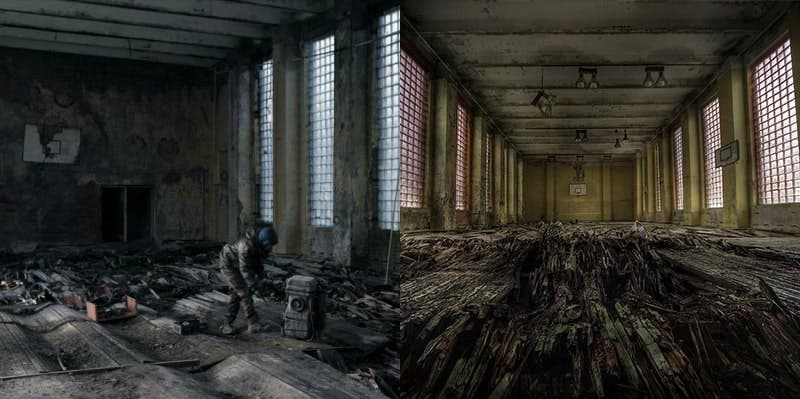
{"points": [[791, 106], [677, 167], [424, 126], [465, 162], [705, 153], [388, 179], [325, 221], [262, 122]]}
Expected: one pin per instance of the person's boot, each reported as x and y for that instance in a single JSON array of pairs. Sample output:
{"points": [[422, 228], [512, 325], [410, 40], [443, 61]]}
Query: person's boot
{"points": [[254, 325], [227, 328]]}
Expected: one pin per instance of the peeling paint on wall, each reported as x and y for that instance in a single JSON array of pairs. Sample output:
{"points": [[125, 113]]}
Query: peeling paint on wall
{"points": [[61, 147]]}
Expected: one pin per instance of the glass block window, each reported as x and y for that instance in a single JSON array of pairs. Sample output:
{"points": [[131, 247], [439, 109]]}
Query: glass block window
{"points": [[388, 119], [711, 142], [487, 172], [462, 144], [658, 177], [677, 138], [320, 59], [775, 123], [413, 121], [266, 188]]}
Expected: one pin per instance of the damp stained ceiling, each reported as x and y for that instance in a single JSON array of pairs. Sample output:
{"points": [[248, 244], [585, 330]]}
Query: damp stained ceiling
{"points": [[500, 48]]}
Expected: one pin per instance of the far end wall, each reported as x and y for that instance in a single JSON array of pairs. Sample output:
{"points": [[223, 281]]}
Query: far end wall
{"points": [[609, 192]]}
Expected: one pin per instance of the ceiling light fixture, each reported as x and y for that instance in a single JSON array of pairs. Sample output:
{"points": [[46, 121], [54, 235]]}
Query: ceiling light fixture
{"points": [[581, 82], [580, 135], [593, 84], [648, 78], [661, 81], [617, 144], [625, 138], [544, 101]]}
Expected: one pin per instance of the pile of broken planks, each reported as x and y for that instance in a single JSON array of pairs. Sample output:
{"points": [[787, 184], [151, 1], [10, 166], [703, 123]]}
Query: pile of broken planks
{"points": [[588, 311]]}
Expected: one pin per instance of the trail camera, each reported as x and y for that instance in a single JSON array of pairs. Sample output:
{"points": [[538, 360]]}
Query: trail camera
{"points": [[304, 317]]}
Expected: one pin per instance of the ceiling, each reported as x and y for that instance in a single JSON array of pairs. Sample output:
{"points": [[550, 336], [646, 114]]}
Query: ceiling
{"points": [[188, 32], [500, 48]]}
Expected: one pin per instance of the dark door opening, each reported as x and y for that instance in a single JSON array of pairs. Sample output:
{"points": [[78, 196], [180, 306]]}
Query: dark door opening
{"points": [[125, 213], [113, 214], [138, 206]]}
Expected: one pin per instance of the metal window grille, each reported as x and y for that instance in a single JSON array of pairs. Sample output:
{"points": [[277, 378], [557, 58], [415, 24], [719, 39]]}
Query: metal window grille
{"points": [[388, 99], [320, 57], [487, 173], [775, 123], [413, 120], [462, 133], [658, 178], [677, 138], [266, 189], [711, 142]]}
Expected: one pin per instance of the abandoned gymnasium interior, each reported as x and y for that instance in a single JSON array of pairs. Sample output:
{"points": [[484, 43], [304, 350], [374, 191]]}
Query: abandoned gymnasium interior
{"points": [[198, 199], [399, 199], [599, 199]]}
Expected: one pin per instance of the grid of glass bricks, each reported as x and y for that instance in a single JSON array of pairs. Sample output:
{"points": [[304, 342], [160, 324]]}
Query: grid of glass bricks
{"points": [[677, 138], [462, 136], [775, 123], [320, 57], [711, 142], [266, 187], [388, 118], [413, 120], [658, 178]]}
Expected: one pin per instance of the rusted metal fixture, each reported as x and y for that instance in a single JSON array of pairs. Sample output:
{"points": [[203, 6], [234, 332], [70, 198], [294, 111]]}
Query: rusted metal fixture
{"points": [[93, 314]]}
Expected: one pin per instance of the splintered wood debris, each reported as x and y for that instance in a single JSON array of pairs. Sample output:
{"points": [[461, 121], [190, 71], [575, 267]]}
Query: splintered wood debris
{"points": [[587, 311]]}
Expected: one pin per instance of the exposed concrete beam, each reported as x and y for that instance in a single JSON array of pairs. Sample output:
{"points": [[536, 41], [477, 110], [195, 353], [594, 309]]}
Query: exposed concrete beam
{"points": [[587, 49], [94, 12], [618, 16], [685, 85], [105, 52], [583, 111], [612, 122], [212, 8], [112, 42], [11, 18], [599, 96], [313, 6], [591, 148]]}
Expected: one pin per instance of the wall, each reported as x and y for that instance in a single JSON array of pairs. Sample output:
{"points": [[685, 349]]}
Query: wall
{"points": [[140, 123], [609, 184]]}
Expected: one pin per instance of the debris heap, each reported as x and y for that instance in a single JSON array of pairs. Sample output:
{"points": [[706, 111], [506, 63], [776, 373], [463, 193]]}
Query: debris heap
{"points": [[591, 311]]}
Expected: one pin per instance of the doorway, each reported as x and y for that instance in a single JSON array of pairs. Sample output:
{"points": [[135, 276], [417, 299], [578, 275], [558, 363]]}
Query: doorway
{"points": [[126, 213]]}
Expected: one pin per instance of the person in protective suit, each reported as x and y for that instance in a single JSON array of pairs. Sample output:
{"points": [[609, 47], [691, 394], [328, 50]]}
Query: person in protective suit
{"points": [[240, 265]]}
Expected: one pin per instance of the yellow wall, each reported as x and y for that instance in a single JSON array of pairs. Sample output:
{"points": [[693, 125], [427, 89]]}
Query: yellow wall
{"points": [[609, 187]]}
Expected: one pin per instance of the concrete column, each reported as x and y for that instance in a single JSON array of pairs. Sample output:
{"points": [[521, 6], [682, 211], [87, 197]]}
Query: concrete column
{"points": [[290, 179], [241, 190], [692, 166], [667, 176], [732, 92], [520, 189], [478, 150], [498, 160], [443, 146], [551, 169], [512, 185], [353, 203], [605, 187], [650, 176], [638, 191]]}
